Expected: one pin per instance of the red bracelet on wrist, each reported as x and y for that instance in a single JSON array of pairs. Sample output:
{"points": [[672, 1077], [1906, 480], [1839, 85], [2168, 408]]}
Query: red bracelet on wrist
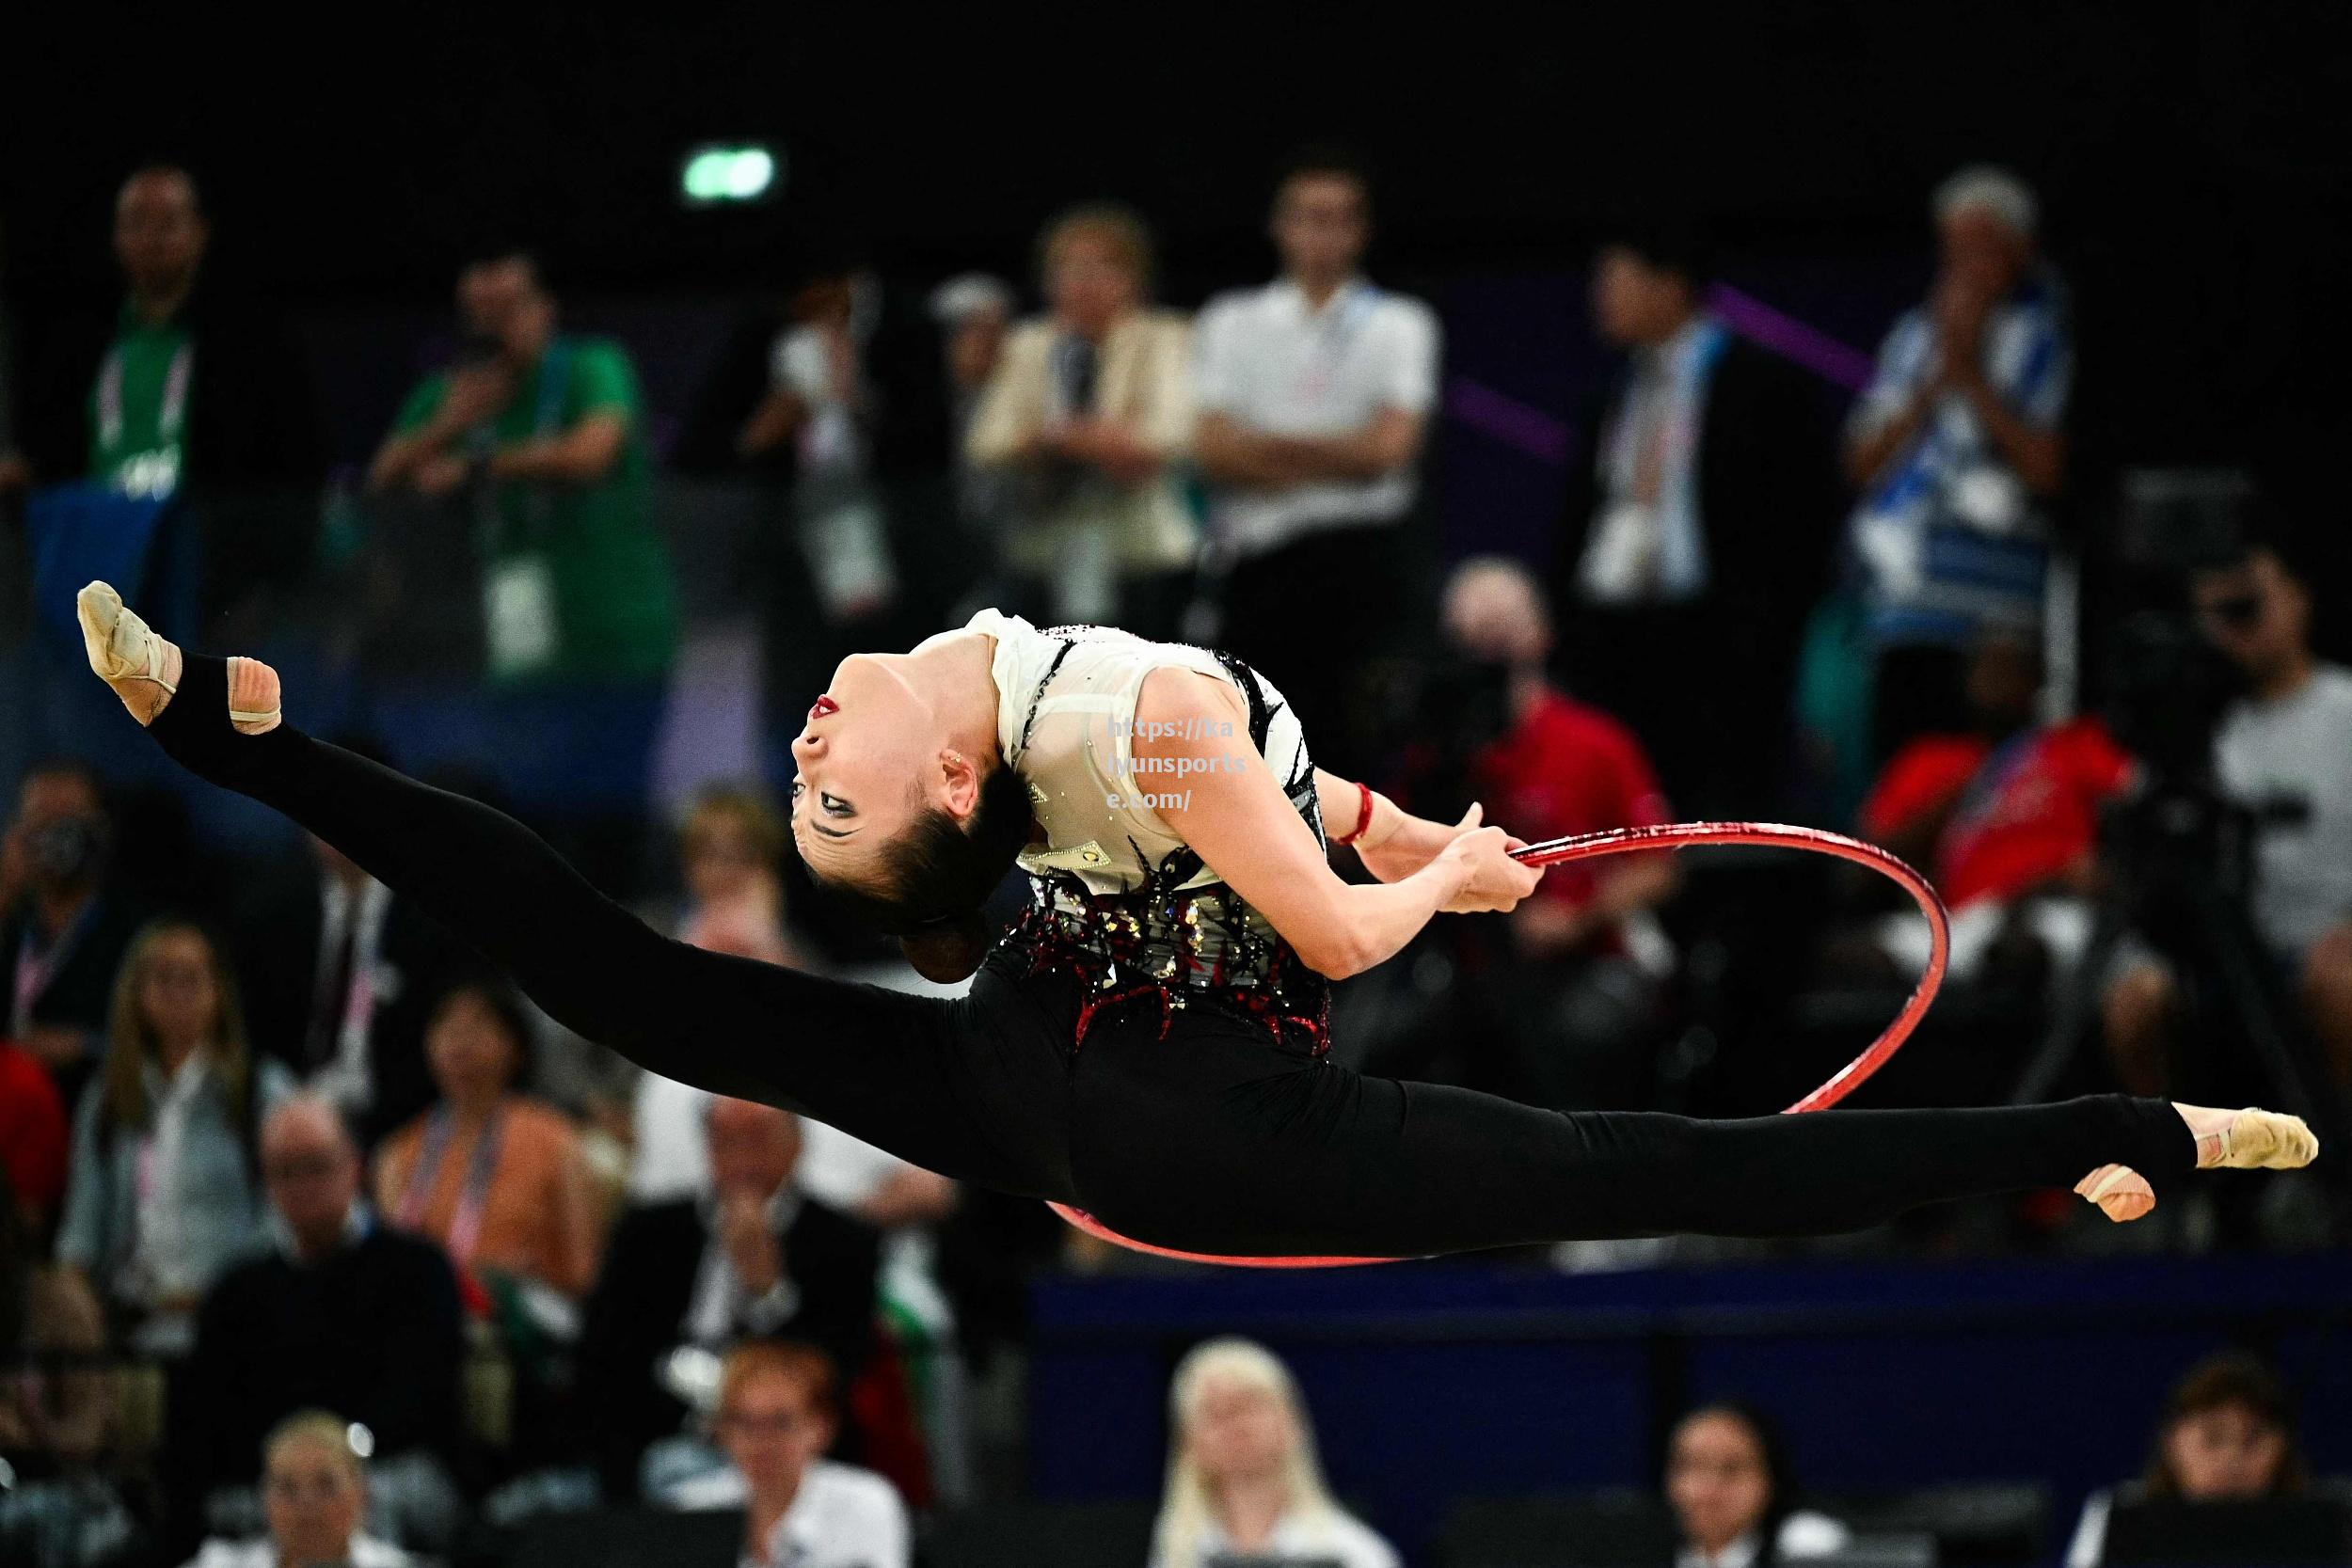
{"points": [[1363, 816]]}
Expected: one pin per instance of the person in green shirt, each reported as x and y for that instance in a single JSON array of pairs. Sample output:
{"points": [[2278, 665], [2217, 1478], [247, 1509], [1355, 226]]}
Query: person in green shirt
{"points": [[138, 405], [544, 433]]}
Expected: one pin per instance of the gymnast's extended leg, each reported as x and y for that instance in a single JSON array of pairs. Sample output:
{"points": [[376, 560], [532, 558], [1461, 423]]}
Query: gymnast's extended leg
{"points": [[897, 1069], [1322, 1160]]}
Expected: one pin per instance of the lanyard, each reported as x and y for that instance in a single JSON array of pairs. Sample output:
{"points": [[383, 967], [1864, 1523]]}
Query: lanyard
{"points": [[344, 998], [169, 418], [464, 1225], [1661, 407], [34, 971]]}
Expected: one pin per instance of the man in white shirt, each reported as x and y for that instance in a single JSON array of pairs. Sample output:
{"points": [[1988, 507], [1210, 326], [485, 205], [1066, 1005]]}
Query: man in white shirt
{"points": [[775, 1418], [1315, 394], [2283, 753]]}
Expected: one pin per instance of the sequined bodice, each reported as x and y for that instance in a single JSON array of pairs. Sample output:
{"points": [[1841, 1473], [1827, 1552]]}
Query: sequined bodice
{"points": [[1116, 896]]}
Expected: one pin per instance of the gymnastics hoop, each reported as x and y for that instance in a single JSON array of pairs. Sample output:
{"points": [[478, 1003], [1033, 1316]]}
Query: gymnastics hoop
{"points": [[1677, 835]]}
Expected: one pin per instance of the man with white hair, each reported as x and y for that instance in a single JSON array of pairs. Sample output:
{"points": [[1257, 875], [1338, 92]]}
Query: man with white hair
{"points": [[1957, 447]]}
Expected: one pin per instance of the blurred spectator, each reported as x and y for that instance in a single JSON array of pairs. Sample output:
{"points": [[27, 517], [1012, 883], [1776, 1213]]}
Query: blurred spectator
{"points": [[821, 403], [1243, 1479], [2227, 1436], [817, 425], [1563, 988], [497, 1177], [543, 434], [314, 1490], [975, 315], [58, 1504], [1697, 526], [1957, 448], [344, 1313], [753, 1258], [188, 387], [1090, 412], [776, 1416], [338, 975], [54, 1415], [826, 397], [2006, 815], [189, 390], [732, 845], [62, 927], [1728, 1482], [1316, 392], [2281, 754], [163, 1195], [32, 1138]]}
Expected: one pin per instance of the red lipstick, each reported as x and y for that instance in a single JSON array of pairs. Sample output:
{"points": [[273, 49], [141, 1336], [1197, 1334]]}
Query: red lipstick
{"points": [[822, 706]]}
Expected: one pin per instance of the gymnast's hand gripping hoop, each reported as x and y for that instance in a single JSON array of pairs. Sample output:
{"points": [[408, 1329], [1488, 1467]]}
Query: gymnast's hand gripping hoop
{"points": [[1682, 835]]}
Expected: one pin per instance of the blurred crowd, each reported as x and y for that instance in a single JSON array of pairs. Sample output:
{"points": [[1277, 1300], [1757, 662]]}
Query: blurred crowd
{"points": [[314, 1233]]}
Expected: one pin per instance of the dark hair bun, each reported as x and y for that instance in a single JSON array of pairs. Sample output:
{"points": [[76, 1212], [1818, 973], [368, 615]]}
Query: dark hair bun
{"points": [[950, 951]]}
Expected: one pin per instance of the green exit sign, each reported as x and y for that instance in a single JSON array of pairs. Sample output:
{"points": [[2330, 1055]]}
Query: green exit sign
{"points": [[715, 175]]}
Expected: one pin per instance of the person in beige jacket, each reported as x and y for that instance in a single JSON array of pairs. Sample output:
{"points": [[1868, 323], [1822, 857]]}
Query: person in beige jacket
{"points": [[1090, 413]]}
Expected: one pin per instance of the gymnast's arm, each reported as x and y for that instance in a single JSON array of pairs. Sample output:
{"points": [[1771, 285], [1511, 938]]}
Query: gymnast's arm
{"points": [[1232, 810], [1395, 843]]}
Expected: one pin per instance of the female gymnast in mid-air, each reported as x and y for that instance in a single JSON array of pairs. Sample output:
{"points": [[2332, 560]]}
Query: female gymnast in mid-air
{"points": [[1147, 1045]]}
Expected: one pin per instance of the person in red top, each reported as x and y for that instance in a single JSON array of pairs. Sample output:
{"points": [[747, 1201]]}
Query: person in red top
{"points": [[2010, 810], [32, 1136], [2006, 814], [1559, 994]]}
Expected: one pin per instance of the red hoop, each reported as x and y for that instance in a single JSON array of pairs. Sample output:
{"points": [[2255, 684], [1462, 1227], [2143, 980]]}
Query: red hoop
{"points": [[1680, 835]]}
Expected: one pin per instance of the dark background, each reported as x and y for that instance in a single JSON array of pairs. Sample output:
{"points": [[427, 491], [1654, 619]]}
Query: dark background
{"points": [[2192, 158]]}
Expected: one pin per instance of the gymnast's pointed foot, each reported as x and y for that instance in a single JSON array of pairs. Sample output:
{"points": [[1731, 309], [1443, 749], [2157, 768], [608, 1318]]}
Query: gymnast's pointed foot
{"points": [[2249, 1139], [144, 669]]}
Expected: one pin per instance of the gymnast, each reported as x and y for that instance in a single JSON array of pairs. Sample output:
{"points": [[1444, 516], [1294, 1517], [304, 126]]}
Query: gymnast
{"points": [[1147, 1045]]}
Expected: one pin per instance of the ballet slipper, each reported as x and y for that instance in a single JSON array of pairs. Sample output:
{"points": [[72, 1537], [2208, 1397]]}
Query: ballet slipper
{"points": [[2121, 1192], [124, 652], [253, 696], [144, 669], [2249, 1139]]}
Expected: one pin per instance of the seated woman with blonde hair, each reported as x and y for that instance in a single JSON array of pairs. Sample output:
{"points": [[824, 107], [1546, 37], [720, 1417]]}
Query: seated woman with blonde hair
{"points": [[164, 1194], [1242, 1480], [315, 1490]]}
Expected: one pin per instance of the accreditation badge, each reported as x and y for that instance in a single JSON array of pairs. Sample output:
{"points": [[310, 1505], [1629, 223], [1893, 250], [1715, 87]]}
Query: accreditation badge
{"points": [[518, 615]]}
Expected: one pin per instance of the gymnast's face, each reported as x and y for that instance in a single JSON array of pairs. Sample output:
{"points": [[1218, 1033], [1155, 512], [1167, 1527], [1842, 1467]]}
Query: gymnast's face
{"points": [[869, 759]]}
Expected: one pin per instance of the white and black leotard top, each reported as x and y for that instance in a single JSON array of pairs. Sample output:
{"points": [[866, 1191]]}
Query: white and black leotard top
{"points": [[1116, 890]]}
